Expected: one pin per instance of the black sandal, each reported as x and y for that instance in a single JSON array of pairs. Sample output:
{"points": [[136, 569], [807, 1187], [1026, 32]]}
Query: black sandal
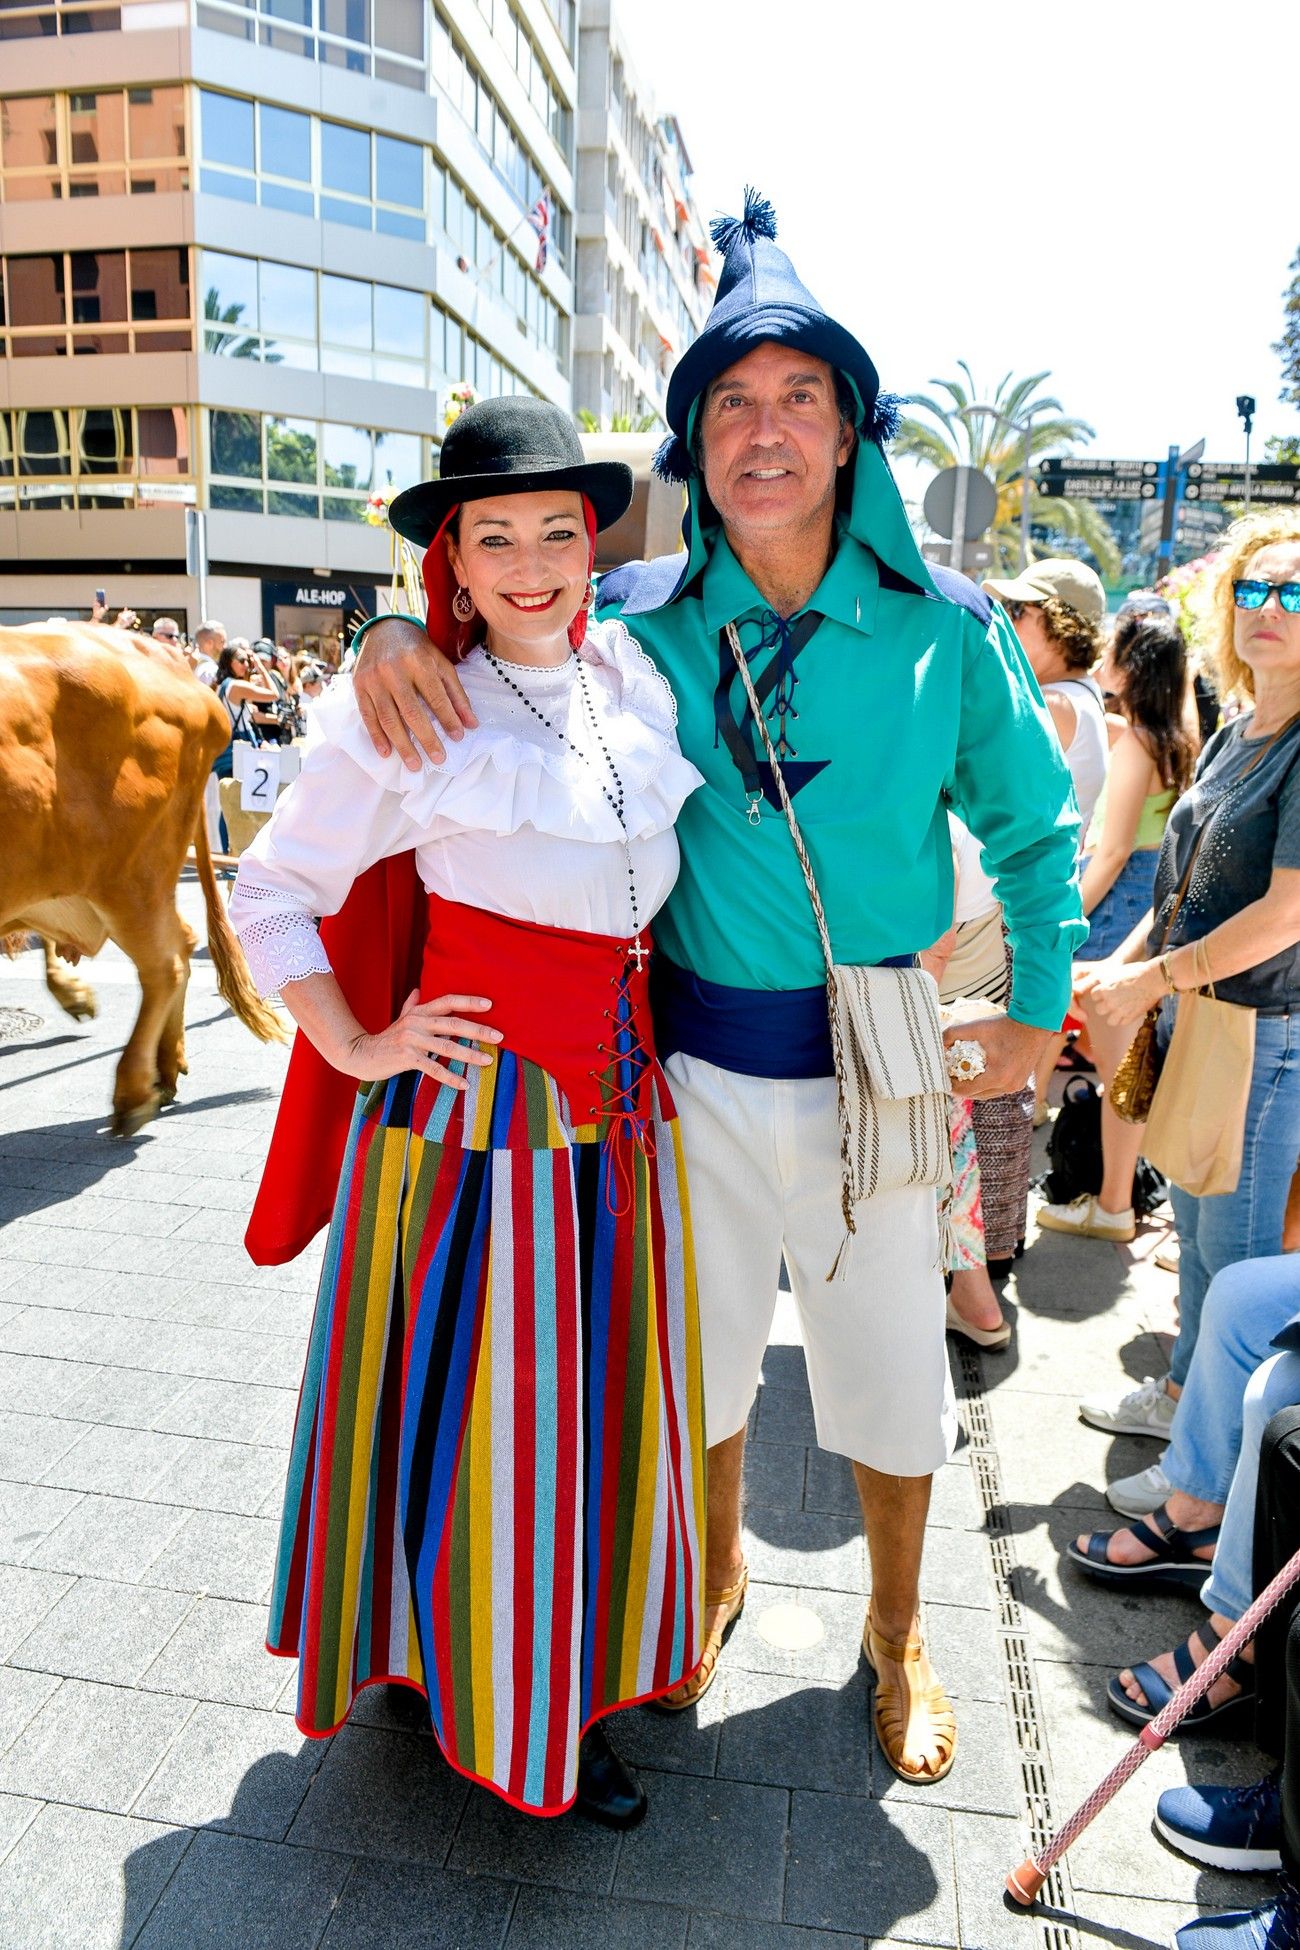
{"points": [[1172, 1568], [1233, 1717]]}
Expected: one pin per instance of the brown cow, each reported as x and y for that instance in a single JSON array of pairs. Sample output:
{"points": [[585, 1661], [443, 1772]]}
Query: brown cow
{"points": [[106, 742]]}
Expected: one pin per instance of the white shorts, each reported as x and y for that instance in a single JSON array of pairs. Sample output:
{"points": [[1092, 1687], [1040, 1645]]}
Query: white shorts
{"points": [[763, 1167]]}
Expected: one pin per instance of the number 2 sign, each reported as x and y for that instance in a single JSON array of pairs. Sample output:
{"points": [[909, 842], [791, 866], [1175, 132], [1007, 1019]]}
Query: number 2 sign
{"points": [[261, 780]]}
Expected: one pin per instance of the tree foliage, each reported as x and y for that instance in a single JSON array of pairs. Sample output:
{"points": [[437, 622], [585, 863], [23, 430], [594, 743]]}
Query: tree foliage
{"points": [[958, 435], [1288, 346]]}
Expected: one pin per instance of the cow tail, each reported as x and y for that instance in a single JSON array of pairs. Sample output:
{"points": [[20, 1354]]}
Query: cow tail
{"points": [[233, 979]]}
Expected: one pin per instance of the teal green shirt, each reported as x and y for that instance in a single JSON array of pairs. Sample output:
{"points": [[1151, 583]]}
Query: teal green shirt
{"points": [[909, 705]]}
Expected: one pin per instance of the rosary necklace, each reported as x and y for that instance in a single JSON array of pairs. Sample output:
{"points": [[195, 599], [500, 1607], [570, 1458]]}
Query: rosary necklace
{"points": [[637, 951]]}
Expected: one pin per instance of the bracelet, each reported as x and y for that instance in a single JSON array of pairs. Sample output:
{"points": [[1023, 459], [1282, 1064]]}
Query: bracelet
{"points": [[1165, 969], [389, 616]]}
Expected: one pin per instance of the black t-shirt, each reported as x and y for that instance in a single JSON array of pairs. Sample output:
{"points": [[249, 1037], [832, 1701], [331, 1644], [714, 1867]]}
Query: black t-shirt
{"points": [[1254, 826]]}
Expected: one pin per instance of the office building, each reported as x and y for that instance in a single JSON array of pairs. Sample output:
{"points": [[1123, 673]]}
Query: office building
{"points": [[248, 247], [644, 284]]}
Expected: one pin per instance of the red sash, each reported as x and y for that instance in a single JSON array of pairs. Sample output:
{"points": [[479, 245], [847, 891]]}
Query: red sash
{"points": [[565, 1000]]}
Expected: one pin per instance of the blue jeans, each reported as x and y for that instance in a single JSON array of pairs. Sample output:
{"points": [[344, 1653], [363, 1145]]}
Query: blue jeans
{"points": [[1245, 1224], [1230, 1586]]}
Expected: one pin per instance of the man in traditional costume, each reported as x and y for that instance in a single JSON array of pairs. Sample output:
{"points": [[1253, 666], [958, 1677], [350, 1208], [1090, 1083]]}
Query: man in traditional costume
{"points": [[892, 692], [495, 1485]]}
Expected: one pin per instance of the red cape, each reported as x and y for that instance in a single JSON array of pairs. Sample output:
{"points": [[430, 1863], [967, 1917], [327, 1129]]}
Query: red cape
{"points": [[375, 944]]}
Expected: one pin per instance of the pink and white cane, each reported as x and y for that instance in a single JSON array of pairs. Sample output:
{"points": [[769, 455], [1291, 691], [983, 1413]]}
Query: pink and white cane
{"points": [[1025, 1883]]}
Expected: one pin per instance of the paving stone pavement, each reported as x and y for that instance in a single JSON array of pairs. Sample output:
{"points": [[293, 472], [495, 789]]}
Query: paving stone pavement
{"points": [[154, 1791]]}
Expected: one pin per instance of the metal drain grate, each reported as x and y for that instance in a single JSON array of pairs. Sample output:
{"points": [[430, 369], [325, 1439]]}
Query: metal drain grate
{"points": [[1022, 1691]]}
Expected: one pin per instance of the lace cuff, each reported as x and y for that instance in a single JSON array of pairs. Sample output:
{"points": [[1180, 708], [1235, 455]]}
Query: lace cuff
{"points": [[281, 944]]}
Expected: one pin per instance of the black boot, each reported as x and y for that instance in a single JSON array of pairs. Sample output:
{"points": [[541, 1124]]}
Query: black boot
{"points": [[608, 1790]]}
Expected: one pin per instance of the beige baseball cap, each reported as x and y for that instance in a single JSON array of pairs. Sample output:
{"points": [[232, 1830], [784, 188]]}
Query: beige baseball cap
{"points": [[1060, 576]]}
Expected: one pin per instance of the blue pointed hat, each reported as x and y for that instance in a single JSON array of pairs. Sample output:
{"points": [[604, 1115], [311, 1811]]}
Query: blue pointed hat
{"points": [[760, 297]]}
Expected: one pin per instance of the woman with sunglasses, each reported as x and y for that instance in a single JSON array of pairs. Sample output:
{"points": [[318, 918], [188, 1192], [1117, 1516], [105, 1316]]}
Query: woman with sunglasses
{"points": [[496, 1480], [1238, 927]]}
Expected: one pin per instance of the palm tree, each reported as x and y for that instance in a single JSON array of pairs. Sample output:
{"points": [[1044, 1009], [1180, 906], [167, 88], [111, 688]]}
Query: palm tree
{"points": [[962, 438]]}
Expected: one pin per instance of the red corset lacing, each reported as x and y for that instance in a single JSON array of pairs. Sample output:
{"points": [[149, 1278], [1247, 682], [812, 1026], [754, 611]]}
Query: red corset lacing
{"points": [[575, 1004]]}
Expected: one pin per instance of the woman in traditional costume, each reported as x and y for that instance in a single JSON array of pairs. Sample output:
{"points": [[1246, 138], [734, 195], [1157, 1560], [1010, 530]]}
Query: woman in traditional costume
{"points": [[495, 1487]]}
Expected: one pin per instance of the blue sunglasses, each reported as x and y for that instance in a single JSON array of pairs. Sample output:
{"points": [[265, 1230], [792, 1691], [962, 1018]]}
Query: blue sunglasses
{"points": [[1254, 595]]}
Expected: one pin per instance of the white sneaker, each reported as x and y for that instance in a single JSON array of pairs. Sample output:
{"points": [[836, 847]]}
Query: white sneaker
{"points": [[1086, 1220], [1138, 1496], [1147, 1410]]}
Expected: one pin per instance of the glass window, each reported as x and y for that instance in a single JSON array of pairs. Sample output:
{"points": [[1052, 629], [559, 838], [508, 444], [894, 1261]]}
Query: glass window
{"points": [[307, 505], [399, 321], [399, 26], [288, 301], [220, 182], [236, 440], [396, 223], [36, 291], [291, 450], [279, 196], [227, 131], [163, 440], [345, 311], [229, 286], [345, 159], [104, 442], [43, 445], [348, 457], [335, 210], [244, 501], [349, 19], [397, 458], [156, 123], [29, 128], [399, 172], [286, 143], [160, 284]]}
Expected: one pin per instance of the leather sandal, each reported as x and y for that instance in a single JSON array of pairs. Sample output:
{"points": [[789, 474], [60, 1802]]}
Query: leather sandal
{"points": [[900, 1711], [694, 1688]]}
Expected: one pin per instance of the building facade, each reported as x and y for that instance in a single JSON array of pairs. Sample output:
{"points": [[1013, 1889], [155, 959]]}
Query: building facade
{"points": [[643, 279], [247, 248]]}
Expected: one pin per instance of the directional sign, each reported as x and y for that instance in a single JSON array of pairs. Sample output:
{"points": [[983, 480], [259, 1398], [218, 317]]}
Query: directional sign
{"points": [[1101, 487], [1273, 481], [1080, 477]]}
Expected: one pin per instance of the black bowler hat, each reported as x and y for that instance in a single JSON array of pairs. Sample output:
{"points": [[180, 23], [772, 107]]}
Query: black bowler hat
{"points": [[518, 445]]}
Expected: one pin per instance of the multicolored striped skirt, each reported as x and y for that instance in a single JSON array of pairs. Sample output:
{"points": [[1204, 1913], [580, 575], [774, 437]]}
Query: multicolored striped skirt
{"points": [[496, 1482]]}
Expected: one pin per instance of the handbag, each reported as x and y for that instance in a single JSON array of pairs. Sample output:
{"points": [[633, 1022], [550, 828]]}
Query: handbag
{"points": [[1197, 1128], [1135, 1089], [890, 1065]]}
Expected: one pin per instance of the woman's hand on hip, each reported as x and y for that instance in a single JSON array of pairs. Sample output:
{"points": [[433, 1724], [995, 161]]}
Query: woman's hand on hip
{"points": [[406, 689], [422, 1033], [1120, 993]]}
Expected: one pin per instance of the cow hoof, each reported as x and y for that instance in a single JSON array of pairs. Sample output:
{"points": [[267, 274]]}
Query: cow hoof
{"points": [[166, 1095], [81, 1006], [131, 1118]]}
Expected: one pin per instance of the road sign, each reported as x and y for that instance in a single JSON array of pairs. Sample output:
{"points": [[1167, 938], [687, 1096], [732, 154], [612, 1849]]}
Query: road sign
{"points": [[974, 555], [942, 499], [1273, 481], [1080, 477]]}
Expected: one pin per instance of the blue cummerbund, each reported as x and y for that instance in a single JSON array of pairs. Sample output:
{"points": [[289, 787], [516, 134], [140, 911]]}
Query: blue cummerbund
{"points": [[756, 1032]]}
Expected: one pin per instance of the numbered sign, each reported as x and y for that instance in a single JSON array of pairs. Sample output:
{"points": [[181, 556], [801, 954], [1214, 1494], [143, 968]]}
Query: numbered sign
{"points": [[260, 780]]}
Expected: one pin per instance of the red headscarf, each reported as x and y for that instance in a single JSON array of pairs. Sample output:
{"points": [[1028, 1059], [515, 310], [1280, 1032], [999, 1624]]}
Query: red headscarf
{"points": [[375, 944]]}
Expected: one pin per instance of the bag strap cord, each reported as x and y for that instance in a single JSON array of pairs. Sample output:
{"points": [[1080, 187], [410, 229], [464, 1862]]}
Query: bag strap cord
{"points": [[823, 933]]}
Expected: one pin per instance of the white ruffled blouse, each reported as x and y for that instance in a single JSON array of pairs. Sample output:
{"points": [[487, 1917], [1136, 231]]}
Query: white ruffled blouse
{"points": [[512, 779]]}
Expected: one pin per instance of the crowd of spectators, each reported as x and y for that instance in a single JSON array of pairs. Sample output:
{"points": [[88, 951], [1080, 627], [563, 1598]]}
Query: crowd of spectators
{"points": [[1190, 877]]}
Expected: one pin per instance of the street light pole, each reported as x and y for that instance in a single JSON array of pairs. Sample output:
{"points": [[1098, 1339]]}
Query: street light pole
{"points": [[1246, 413]]}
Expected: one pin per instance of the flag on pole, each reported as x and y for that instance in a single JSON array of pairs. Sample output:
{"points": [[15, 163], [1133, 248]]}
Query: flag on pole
{"points": [[539, 218]]}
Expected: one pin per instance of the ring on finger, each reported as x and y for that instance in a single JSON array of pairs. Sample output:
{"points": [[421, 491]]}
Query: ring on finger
{"points": [[966, 1060]]}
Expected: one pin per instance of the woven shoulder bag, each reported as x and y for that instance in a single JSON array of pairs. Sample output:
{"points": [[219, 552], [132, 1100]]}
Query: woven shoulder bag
{"points": [[890, 1066]]}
